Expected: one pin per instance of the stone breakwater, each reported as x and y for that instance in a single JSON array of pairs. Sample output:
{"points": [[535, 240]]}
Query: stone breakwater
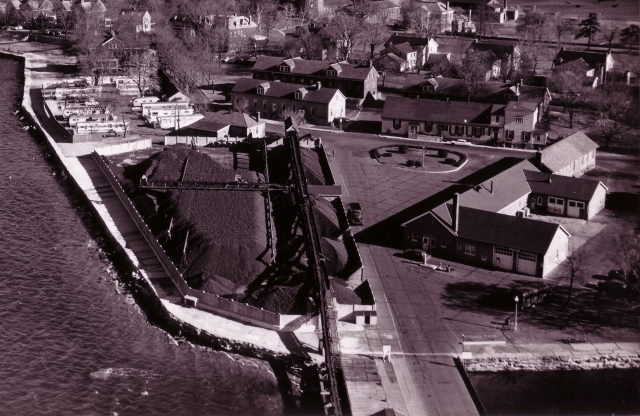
{"points": [[553, 363]]}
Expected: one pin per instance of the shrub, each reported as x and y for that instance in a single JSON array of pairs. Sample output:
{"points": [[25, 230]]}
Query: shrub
{"points": [[410, 163], [403, 148], [450, 161], [418, 164], [442, 153]]}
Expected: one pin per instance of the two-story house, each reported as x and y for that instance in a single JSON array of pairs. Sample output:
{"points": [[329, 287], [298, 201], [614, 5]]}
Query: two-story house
{"points": [[142, 19], [317, 103], [354, 81], [437, 11], [401, 50], [522, 128], [600, 62], [240, 28], [507, 53], [423, 46]]}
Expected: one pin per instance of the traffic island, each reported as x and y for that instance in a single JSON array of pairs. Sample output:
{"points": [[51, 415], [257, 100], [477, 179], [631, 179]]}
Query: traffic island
{"points": [[420, 158]]}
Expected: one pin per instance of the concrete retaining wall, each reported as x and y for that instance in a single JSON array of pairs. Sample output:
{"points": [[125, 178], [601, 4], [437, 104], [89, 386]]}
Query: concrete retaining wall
{"points": [[116, 149]]}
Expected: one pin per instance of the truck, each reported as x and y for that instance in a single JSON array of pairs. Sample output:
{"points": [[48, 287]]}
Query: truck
{"points": [[354, 214]]}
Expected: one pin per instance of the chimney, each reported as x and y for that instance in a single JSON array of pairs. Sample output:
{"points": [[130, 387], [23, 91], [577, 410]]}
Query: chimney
{"points": [[518, 88], [258, 116], [491, 190], [456, 211], [318, 85], [370, 63], [469, 16], [538, 159], [448, 5], [549, 179]]}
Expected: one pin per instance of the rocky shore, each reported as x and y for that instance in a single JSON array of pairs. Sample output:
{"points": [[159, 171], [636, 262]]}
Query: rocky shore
{"points": [[553, 363]]}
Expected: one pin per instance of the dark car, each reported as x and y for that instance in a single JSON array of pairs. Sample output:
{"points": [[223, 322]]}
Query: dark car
{"points": [[110, 133], [415, 254], [354, 214]]}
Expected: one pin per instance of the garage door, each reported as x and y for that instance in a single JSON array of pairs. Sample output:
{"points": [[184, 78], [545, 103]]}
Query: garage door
{"points": [[503, 258], [527, 263], [575, 209]]}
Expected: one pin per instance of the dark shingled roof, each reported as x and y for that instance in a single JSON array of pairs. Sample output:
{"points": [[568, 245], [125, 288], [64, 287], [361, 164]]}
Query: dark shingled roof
{"points": [[489, 91], [285, 90], [396, 39], [302, 66], [232, 118], [505, 230], [566, 151], [438, 111], [593, 59], [561, 186], [398, 49]]}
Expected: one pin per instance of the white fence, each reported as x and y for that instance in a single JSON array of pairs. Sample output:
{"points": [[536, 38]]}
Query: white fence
{"points": [[115, 149]]}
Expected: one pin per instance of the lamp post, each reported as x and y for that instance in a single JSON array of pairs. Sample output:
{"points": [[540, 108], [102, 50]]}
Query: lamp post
{"points": [[422, 156], [515, 327]]}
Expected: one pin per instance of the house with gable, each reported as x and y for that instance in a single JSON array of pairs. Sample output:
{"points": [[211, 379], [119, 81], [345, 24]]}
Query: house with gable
{"points": [[478, 226], [390, 63], [401, 50], [439, 11], [522, 126], [353, 81], [571, 156], [316, 103], [423, 46], [600, 62], [142, 19], [583, 72]]}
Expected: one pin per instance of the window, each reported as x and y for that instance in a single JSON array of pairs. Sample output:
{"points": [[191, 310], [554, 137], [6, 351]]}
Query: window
{"points": [[273, 107], [459, 246], [503, 251], [298, 95], [331, 73], [519, 120], [539, 200], [508, 96], [459, 130], [397, 123], [468, 249], [484, 258], [443, 243], [414, 236], [526, 136], [572, 204], [284, 106], [255, 102], [434, 243], [428, 126], [293, 107], [428, 88], [260, 90], [510, 134], [284, 68], [313, 110], [477, 131], [264, 104]]}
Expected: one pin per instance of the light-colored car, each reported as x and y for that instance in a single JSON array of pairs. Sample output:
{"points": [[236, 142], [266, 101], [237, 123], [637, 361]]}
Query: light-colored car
{"points": [[460, 142]]}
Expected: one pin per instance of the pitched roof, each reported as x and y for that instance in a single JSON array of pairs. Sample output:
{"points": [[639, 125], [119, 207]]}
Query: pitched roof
{"points": [[439, 111], [391, 56], [499, 191], [593, 59], [302, 66], [505, 230], [233, 119], [400, 48], [396, 39], [496, 47], [561, 186], [566, 151], [490, 91], [202, 125], [577, 66], [285, 90], [433, 6]]}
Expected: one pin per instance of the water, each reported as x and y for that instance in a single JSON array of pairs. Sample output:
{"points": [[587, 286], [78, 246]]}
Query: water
{"points": [[593, 392], [72, 341]]}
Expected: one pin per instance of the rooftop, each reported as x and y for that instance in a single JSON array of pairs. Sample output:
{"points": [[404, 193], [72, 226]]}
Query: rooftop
{"points": [[285, 90], [231, 118], [566, 151], [305, 67], [439, 111], [593, 59], [561, 186]]}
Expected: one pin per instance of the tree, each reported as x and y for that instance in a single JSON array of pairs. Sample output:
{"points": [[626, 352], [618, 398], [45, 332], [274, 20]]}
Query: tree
{"points": [[533, 26], [483, 16], [65, 19], [472, 70], [311, 46], [630, 36], [266, 15], [589, 27], [142, 69], [629, 262], [574, 267], [374, 32], [613, 103], [562, 32], [296, 116], [610, 32], [349, 30], [240, 105], [570, 91]]}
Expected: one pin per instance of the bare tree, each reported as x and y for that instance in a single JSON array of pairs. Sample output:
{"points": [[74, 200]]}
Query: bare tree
{"points": [[240, 105], [629, 262], [484, 17], [142, 68], [561, 30], [472, 70], [311, 46], [349, 31], [266, 15], [575, 266], [533, 26], [569, 90], [296, 116], [613, 102], [610, 32], [374, 32]]}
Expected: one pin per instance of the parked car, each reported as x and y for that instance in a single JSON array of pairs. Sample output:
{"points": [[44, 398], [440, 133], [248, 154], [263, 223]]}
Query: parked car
{"points": [[354, 214], [416, 255], [460, 142], [110, 133]]}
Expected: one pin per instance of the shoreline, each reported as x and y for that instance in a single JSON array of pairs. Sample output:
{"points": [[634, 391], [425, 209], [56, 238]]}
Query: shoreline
{"points": [[137, 282]]}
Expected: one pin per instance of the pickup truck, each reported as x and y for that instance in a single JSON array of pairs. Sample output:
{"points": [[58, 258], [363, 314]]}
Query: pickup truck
{"points": [[354, 214], [460, 142]]}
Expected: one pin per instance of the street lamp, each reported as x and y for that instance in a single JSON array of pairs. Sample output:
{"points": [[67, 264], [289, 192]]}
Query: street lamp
{"points": [[423, 156], [515, 327]]}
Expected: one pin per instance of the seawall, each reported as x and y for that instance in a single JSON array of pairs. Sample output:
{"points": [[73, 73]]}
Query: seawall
{"points": [[138, 283]]}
